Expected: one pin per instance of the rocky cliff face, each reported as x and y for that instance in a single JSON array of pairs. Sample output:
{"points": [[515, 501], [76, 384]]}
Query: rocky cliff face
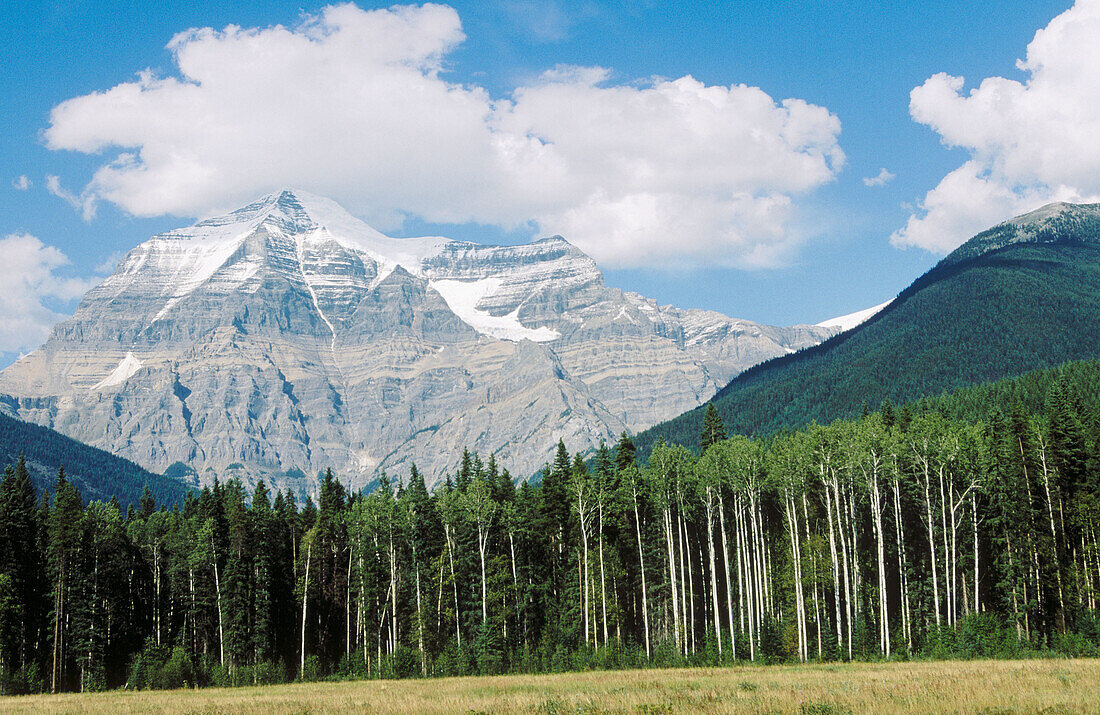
{"points": [[288, 337]]}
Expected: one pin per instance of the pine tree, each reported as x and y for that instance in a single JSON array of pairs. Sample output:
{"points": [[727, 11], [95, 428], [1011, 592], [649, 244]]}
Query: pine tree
{"points": [[21, 564], [330, 564], [713, 429], [240, 615], [889, 418], [147, 504], [63, 534], [625, 453], [265, 549]]}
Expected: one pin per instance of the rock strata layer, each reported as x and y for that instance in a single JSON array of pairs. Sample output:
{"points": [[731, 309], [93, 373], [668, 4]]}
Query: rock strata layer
{"points": [[289, 337]]}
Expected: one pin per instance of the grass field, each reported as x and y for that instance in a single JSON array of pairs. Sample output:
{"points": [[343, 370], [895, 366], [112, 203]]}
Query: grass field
{"points": [[1028, 686]]}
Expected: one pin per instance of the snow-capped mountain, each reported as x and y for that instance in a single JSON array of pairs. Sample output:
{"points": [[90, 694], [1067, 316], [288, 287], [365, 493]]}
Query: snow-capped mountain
{"points": [[289, 336]]}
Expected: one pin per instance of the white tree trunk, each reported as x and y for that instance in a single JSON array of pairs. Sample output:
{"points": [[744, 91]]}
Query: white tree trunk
{"points": [[218, 591], [454, 580], [931, 536], [305, 604], [845, 571], [813, 566], [482, 539], [672, 576], [678, 538], [603, 576], [641, 566], [1053, 531], [880, 537], [713, 569], [836, 568], [726, 563], [515, 584], [796, 569], [904, 579]]}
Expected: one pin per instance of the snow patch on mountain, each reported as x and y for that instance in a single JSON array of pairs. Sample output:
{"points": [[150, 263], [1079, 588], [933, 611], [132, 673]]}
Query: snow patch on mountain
{"points": [[409, 253], [209, 243], [851, 320], [463, 298], [123, 372], [195, 267]]}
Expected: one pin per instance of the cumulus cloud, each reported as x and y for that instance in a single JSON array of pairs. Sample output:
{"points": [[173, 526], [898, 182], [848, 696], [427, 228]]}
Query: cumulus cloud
{"points": [[21, 183], [882, 178], [1030, 142], [31, 285], [355, 105]]}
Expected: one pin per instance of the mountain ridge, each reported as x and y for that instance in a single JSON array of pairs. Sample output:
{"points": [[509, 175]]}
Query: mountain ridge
{"points": [[99, 475], [289, 336], [1021, 295]]}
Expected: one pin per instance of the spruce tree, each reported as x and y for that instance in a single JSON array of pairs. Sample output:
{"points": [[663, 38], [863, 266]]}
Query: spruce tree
{"points": [[713, 429], [63, 537], [265, 550], [22, 563], [625, 453]]}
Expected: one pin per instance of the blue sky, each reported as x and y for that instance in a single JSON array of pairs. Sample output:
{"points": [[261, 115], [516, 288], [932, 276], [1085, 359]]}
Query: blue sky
{"points": [[829, 253]]}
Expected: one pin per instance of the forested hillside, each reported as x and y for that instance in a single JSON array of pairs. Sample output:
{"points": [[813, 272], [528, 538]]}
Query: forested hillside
{"points": [[1027, 392], [1021, 307], [905, 532], [97, 474]]}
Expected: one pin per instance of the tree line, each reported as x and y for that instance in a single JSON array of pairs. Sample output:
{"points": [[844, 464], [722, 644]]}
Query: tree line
{"points": [[896, 534], [98, 474]]}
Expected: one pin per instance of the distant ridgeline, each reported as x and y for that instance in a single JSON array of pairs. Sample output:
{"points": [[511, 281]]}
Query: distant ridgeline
{"points": [[966, 526], [97, 474], [1021, 296]]}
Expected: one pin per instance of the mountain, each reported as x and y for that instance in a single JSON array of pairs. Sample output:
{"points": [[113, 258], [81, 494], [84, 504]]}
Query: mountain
{"points": [[97, 474], [1020, 296], [288, 336]]}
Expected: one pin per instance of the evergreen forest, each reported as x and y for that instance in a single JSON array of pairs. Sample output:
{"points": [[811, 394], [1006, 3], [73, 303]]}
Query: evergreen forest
{"points": [[962, 527], [97, 473], [999, 315]]}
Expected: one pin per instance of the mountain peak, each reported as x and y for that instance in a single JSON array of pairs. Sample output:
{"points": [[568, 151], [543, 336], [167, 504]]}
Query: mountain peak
{"points": [[1058, 222], [1043, 213], [298, 213], [289, 336], [301, 211]]}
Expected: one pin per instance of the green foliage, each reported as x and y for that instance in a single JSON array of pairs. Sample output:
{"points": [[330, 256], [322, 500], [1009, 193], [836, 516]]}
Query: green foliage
{"points": [[1024, 307], [162, 668], [97, 474], [714, 431], [963, 526]]}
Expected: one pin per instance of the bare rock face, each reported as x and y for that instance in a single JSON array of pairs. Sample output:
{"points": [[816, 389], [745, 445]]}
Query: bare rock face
{"points": [[289, 337]]}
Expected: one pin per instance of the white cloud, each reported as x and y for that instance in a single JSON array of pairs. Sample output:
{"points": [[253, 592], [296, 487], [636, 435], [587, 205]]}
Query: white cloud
{"points": [[85, 204], [31, 284], [108, 265], [1030, 142], [353, 104], [881, 179], [21, 183]]}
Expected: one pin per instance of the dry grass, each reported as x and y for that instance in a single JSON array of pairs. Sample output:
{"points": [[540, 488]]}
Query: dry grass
{"points": [[1048, 686]]}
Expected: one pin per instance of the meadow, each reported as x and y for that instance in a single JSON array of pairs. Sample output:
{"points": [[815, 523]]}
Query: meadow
{"points": [[1019, 686]]}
